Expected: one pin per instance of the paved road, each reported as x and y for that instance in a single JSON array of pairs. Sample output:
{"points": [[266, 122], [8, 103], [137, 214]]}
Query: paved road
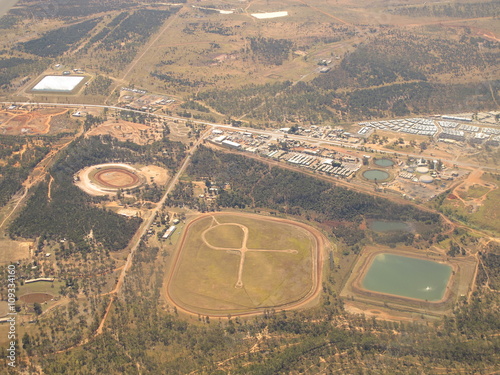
{"points": [[272, 133]]}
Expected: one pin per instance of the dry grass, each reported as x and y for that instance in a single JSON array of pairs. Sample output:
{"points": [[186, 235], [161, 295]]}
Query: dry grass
{"points": [[11, 251], [204, 279]]}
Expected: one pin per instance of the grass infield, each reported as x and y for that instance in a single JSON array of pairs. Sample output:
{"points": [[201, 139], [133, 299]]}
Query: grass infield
{"points": [[241, 264]]}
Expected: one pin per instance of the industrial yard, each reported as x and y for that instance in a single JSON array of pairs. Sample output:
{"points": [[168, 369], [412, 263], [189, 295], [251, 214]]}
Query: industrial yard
{"points": [[477, 128], [413, 178]]}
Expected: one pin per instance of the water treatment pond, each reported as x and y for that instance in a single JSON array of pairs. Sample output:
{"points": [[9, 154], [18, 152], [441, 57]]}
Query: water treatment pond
{"points": [[384, 162], [407, 277], [389, 226], [375, 174]]}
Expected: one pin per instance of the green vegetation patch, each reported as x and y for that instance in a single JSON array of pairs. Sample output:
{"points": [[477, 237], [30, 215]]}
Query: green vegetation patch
{"points": [[7, 22], [485, 216], [98, 86], [18, 164], [477, 191], [16, 67], [277, 270]]}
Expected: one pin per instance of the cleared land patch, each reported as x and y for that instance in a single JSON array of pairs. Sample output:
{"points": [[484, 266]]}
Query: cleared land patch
{"points": [[36, 297], [11, 251], [241, 264], [36, 121], [109, 178]]}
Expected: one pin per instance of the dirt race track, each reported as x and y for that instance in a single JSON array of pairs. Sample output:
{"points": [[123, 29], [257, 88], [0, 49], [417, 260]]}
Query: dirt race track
{"points": [[235, 267], [116, 178], [107, 179]]}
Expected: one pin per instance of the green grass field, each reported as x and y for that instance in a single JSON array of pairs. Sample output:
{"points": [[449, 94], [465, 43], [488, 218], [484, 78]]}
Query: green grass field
{"points": [[205, 279], [487, 215], [477, 191]]}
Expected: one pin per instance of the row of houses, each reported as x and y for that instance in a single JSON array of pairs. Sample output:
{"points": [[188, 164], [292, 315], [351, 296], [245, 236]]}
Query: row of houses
{"points": [[418, 126], [343, 167]]}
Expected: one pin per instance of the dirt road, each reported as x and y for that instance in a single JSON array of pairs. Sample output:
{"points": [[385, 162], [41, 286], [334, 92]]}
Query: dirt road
{"points": [[134, 244]]}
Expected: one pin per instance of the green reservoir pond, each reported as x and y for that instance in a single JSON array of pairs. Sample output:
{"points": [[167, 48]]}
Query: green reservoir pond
{"points": [[375, 174], [407, 277], [389, 226], [384, 162]]}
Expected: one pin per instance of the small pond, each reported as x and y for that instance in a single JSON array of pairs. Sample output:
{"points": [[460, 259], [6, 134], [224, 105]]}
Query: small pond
{"points": [[384, 162], [375, 174]]}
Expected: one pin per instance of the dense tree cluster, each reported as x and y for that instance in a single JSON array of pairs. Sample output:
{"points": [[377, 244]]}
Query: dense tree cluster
{"points": [[240, 101], [135, 29], [16, 67], [106, 30], [176, 80], [70, 9], [456, 10], [489, 269], [191, 104], [284, 190], [270, 51], [7, 22], [99, 86], [70, 215], [18, 164], [217, 28], [55, 42]]}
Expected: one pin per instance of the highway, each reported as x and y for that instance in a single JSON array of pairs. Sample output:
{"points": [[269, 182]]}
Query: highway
{"points": [[273, 133]]}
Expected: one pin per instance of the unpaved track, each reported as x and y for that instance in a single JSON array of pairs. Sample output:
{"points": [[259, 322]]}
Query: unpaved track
{"points": [[134, 62], [134, 243], [321, 243], [41, 168]]}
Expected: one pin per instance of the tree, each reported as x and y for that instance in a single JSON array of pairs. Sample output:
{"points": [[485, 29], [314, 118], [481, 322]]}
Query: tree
{"points": [[26, 341], [38, 308]]}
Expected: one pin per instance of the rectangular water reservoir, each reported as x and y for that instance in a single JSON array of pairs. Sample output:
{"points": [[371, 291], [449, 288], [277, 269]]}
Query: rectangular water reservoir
{"points": [[407, 277]]}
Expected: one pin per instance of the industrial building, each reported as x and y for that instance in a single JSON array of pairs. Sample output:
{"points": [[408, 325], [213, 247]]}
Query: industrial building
{"points": [[231, 144], [169, 232]]}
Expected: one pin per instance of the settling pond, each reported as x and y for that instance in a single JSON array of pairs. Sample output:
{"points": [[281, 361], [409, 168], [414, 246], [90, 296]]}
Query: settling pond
{"points": [[384, 162], [375, 174], [407, 277]]}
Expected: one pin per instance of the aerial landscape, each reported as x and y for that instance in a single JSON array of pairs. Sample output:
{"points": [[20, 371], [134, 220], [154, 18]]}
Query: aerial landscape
{"points": [[249, 187]]}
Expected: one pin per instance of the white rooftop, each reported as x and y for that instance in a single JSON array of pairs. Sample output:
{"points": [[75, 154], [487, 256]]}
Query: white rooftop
{"points": [[270, 15], [58, 83]]}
